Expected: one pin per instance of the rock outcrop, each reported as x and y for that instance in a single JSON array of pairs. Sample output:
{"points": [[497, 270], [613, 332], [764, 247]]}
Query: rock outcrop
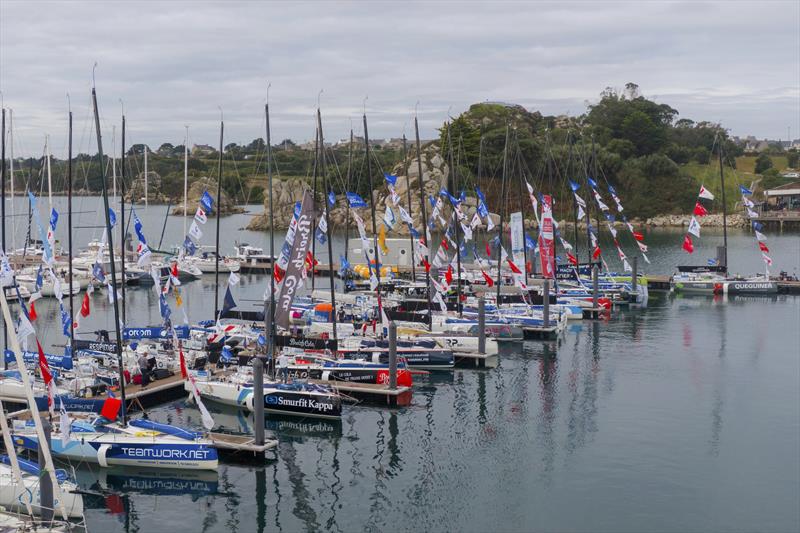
{"points": [[285, 194], [196, 189]]}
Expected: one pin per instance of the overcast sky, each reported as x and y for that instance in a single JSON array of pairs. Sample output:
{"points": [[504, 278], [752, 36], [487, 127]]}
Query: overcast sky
{"points": [[176, 63]]}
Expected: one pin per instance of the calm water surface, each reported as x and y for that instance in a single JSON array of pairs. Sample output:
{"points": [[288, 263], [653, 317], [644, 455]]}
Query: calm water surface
{"points": [[682, 416]]}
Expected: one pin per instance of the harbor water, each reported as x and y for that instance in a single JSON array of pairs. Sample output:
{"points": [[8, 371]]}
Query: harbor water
{"points": [[683, 416]]}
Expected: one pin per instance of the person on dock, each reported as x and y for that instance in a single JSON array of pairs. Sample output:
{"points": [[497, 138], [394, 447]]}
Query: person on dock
{"points": [[144, 364], [283, 366]]}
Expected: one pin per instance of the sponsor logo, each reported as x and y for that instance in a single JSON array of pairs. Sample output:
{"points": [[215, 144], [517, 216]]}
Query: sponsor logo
{"points": [[160, 452], [303, 403], [752, 285]]}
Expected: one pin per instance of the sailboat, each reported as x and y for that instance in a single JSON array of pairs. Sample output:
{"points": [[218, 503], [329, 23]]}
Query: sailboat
{"points": [[714, 278]]}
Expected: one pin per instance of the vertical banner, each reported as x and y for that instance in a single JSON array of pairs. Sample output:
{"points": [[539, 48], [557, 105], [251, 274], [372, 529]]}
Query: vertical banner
{"points": [[293, 278], [517, 239], [546, 243]]}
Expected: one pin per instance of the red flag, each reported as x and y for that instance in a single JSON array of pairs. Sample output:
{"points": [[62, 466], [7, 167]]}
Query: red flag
{"points": [[32, 311], [616, 243], [310, 261], [488, 250], [699, 210], [184, 373], [687, 244], [572, 259], [174, 270], [488, 278], [760, 245], [427, 265], [638, 236], [110, 408], [448, 276], [445, 245], [46, 376], [514, 268], [85, 305], [596, 252], [278, 273]]}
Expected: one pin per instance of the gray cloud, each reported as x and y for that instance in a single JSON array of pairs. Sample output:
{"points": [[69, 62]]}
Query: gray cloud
{"points": [[175, 63]]}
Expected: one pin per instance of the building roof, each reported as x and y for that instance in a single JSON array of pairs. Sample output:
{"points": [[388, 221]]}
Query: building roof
{"points": [[785, 189]]}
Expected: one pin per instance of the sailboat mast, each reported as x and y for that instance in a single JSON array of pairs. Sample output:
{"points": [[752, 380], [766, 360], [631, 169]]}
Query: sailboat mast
{"points": [[110, 234], [114, 162], [502, 217], [372, 211], [3, 206], [569, 177], [347, 210], [456, 222], [724, 209], [146, 177], [327, 224], [522, 197], [314, 192], [408, 198], [271, 343], [422, 202], [49, 174], [122, 236], [69, 236], [185, 180], [219, 208], [11, 177]]}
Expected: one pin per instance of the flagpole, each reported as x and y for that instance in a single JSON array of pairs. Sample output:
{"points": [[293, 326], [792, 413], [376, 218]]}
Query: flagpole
{"points": [[575, 210], [314, 239], [522, 212], [724, 208], [456, 222], [408, 197], [271, 340], [3, 208], [69, 238], [347, 210], [422, 201], [372, 210], [328, 231], [122, 228], [219, 208], [502, 216], [113, 287]]}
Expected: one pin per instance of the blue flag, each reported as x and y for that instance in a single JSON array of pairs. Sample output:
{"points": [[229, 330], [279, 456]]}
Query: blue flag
{"points": [[453, 200], [391, 179], [414, 233], [592, 183], [611, 190], [574, 186], [609, 217], [137, 227], [166, 312], [745, 190], [48, 252], [112, 217], [712, 262], [189, 246], [228, 303], [432, 200], [53, 219], [320, 235], [226, 354], [481, 197], [207, 202], [355, 200], [530, 243], [261, 339], [39, 280], [66, 321], [97, 272], [331, 198]]}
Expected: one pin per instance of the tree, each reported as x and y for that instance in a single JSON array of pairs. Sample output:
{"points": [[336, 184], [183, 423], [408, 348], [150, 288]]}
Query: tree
{"points": [[792, 158], [702, 155], [639, 129], [166, 149], [763, 162]]}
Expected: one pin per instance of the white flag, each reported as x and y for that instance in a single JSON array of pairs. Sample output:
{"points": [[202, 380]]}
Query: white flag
{"points": [[646, 260], [65, 424], [581, 213], [751, 213], [24, 328], [705, 193], [760, 236], [694, 227], [489, 223], [476, 220], [201, 216], [233, 278], [747, 202], [404, 216], [625, 266], [767, 259], [194, 231]]}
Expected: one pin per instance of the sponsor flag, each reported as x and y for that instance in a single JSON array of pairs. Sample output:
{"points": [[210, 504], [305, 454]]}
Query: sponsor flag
{"points": [[194, 231], [207, 202], [200, 215], [694, 227], [228, 303], [389, 218], [688, 245], [572, 259], [189, 246], [712, 262], [355, 200], [745, 190], [331, 198], [705, 193], [233, 278]]}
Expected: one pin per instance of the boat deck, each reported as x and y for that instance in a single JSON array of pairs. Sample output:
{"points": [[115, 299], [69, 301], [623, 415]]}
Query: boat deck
{"points": [[373, 392], [240, 443]]}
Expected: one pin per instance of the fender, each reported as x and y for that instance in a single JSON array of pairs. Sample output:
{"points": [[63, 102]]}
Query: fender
{"points": [[101, 455]]}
